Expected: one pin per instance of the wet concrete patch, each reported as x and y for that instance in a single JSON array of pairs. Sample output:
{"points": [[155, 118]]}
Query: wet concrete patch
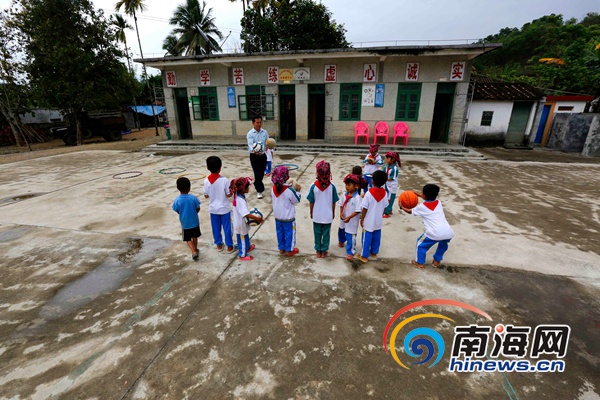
{"points": [[14, 233], [15, 199], [107, 277]]}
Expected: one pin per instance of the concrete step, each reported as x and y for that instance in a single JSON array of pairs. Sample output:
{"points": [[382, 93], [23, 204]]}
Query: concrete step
{"points": [[437, 151]]}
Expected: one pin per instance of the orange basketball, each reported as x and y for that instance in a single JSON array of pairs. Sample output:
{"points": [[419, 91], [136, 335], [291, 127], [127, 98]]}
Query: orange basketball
{"points": [[408, 199]]}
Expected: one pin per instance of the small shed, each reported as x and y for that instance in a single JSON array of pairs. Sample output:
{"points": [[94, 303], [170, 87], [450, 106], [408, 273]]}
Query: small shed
{"points": [[501, 113], [557, 105]]}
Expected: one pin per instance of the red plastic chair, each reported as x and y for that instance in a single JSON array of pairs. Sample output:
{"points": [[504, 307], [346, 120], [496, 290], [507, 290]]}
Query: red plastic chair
{"points": [[402, 131], [382, 129], [361, 129]]}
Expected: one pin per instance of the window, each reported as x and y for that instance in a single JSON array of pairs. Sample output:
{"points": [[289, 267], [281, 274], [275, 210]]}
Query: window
{"points": [[486, 118], [350, 97], [256, 103], [205, 105], [407, 104]]}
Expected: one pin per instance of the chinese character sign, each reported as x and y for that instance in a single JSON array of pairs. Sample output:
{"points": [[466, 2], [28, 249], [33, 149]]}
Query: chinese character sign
{"points": [[273, 74], [171, 79], [370, 73], [457, 73], [368, 97], [412, 72], [204, 77], [238, 76], [330, 74]]}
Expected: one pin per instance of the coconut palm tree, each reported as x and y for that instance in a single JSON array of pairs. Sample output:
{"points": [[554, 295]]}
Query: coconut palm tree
{"points": [[131, 7], [121, 25], [195, 29], [170, 46]]}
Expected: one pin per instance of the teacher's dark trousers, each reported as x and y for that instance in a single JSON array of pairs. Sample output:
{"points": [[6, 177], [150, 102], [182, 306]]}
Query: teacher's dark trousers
{"points": [[259, 163]]}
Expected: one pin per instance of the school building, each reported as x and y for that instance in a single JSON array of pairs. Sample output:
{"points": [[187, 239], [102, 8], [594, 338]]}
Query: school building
{"points": [[321, 94]]}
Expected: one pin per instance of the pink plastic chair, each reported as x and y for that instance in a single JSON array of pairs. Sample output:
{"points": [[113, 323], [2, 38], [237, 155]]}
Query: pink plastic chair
{"points": [[402, 131], [382, 129], [361, 129]]}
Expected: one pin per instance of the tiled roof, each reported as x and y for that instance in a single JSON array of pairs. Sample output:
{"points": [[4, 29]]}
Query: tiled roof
{"points": [[492, 89]]}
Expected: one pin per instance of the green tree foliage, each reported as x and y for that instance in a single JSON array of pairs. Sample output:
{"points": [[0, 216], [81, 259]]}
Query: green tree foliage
{"points": [[72, 58], [14, 92], [121, 25], [195, 31], [548, 52], [131, 8], [291, 25]]}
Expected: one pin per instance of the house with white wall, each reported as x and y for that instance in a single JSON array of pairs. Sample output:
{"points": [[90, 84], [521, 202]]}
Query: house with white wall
{"points": [[501, 113], [320, 94]]}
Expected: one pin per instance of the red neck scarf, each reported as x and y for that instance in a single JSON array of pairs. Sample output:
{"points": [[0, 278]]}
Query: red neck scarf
{"points": [[321, 187], [278, 193], [431, 204], [378, 193], [212, 178]]}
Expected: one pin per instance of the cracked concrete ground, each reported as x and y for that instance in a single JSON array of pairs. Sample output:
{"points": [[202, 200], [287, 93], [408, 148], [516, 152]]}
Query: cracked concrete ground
{"points": [[99, 298]]}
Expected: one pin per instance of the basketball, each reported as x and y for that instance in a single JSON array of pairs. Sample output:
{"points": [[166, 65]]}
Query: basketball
{"points": [[254, 211], [271, 143], [258, 148], [408, 199]]}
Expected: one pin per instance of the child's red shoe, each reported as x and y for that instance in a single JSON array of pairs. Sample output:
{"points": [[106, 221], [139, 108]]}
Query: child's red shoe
{"points": [[247, 258], [291, 253]]}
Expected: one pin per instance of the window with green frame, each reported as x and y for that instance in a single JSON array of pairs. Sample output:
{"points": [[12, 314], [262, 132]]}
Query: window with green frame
{"points": [[350, 97], [256, 103], [407, 103], [205, 106]]}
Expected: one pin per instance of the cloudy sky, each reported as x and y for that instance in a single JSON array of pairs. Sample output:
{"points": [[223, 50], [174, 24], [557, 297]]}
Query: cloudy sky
{"points": [[369, 22]]}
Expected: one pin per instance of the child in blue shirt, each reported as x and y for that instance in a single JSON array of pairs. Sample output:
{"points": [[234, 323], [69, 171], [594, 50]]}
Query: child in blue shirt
{"points": [[188, 207]]}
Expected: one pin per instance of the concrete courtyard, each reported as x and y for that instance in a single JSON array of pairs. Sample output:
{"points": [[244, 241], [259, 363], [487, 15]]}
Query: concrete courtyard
{"points": [[100, 299]]}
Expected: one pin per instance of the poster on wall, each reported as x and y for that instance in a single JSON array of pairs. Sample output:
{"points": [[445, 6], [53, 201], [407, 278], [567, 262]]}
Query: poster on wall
{"points": [[368, 95], [238, 76], [204, 77], [231, 96], [457, 73], [379, 94], [171, 79], [302, 74]]}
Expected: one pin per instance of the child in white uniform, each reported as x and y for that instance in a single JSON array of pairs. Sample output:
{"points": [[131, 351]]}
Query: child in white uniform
{"points": [[239, 187], [371, 220], [216, 188], [350, 209], [284, 199], [322, 197], [437, 229]]}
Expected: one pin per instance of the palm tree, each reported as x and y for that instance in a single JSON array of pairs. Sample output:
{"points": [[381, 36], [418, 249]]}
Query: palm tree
{"points": [[121, 25], [130, 7], [195, 29], [170, 46]]}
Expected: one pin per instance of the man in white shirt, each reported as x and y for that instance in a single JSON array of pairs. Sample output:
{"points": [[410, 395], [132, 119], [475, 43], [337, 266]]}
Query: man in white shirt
{"points": [[258, 160]]}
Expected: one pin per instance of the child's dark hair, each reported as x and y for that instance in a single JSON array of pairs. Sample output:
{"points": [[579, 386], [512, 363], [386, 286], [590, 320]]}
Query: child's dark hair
{"points": [[214, 164], [357, 170], [379, 178], [431, 191], [183, 184], [255, 117]]}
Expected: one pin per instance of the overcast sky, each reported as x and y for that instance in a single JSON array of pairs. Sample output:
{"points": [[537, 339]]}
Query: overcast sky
{"points": [[383, 21]]}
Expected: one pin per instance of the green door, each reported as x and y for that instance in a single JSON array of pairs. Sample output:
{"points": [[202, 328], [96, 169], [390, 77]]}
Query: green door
{"points": [[518, 123], [182, 110]]}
